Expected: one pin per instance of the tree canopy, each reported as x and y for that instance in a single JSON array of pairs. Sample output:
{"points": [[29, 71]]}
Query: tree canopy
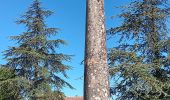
{"points": [[141, 62]]}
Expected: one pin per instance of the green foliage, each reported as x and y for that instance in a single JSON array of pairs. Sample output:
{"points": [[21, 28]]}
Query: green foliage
{"points": [[6, 73], [140, 64], [5, 92], [35, 58], [11, 86]]}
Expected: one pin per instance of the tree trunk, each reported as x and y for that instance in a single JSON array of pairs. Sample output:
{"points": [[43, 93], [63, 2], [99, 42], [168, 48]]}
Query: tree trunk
{"points": [[96, 80]]}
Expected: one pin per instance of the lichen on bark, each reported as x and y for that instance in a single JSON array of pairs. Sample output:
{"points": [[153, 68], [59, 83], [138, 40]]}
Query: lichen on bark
{"points": [[96, 85]]}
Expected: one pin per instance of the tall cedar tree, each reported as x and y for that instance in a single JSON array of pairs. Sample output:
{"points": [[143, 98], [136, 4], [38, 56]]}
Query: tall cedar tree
{"points": [[35, 58], [140, 64]]}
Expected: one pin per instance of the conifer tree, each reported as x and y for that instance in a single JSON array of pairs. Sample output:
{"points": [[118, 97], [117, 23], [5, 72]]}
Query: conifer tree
{"points": [[141, 62], [35, 58]]}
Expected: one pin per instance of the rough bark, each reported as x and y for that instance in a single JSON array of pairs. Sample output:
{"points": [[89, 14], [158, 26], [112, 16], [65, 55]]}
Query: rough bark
{"points": [[96, 81]]}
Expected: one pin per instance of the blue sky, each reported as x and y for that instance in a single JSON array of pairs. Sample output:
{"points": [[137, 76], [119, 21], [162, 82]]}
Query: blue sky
{"points": [[69, 16]]}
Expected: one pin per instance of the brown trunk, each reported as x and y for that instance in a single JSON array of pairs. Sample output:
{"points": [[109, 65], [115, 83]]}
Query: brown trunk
{"points": [[96, 81]]}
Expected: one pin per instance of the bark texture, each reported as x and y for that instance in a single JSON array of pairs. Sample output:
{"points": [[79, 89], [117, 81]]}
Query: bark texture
{"points": [[96, 81]]}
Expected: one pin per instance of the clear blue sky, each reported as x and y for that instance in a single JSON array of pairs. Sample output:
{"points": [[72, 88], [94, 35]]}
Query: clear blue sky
{"points": [[69, 16]]}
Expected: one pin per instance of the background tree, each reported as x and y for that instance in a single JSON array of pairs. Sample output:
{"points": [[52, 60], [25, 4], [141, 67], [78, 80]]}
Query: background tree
{"points": [[96, 83], [141, 62], [35, 58], [11, 86]]}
